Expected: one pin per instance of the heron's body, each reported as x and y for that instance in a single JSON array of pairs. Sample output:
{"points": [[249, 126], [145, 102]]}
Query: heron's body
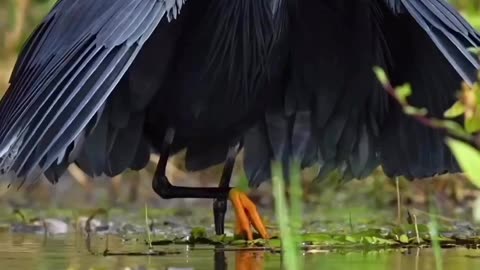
{"points": [[216, 86]]}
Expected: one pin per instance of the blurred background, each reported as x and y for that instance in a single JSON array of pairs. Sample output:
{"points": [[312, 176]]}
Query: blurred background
{"points": [[76, 190]]}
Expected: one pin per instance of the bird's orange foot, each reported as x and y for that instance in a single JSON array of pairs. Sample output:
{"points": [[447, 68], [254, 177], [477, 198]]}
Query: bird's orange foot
{"points": [[246, 215]]}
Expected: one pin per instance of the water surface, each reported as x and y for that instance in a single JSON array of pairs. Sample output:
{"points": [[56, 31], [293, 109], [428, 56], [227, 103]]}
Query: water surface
{"points": [[30, 251]]}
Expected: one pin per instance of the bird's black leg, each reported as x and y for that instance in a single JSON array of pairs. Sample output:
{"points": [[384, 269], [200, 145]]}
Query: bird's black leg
{"points": [[220, 204], [164, 189]]}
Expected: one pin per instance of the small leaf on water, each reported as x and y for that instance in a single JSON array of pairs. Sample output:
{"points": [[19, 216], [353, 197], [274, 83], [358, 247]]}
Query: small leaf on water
{"points": [[457, 109], [468, 159], [238, 242], [383, 241], [370, 239], [221, 238], [258, 242], [404, 239], [352, 239], [198, 232]]}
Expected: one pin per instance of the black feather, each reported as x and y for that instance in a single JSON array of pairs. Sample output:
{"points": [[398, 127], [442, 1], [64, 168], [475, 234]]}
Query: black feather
{"points": [[429, 42], [65, 74]]}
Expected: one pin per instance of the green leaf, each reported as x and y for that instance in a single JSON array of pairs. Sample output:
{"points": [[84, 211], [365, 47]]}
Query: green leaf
{"points": [[410, 110], [453, 128], [381, 76], [403, 92], [457, 109], [472, 125], [468, 158]]}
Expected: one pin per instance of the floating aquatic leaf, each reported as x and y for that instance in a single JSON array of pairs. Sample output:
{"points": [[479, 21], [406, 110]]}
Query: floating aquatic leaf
{"points": [[404, 239], [198, 232]]}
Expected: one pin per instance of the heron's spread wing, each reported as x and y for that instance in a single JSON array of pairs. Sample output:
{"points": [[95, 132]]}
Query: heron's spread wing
{"points": [[428, 42], [66, 71], [352, 123], [449, 31]]}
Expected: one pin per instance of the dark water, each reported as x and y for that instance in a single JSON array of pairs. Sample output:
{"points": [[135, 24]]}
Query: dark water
{"points": [[27, 251]]}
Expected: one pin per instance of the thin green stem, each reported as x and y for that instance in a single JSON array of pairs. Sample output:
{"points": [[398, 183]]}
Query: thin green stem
{"points": [[289, 250]]}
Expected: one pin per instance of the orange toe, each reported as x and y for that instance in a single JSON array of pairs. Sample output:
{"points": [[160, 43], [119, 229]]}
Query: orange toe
{"points": [[247, 215]]}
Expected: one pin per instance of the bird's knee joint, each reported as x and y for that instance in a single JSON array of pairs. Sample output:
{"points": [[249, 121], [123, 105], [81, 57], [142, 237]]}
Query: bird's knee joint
{"points": [[163, 188]]}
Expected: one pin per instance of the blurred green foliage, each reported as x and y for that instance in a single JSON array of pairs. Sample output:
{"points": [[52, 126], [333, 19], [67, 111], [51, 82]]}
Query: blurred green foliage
{"points": [[18, 18], [467, 5], [468, 107]]}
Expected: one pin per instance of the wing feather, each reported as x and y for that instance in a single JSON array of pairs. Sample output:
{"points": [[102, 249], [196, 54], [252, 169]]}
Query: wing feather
{"points": [[429, 42], [451, 34], [66, 72]]}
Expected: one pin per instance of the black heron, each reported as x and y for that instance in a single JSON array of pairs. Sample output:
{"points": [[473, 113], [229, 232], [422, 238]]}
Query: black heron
{"points": [[103, 83]]}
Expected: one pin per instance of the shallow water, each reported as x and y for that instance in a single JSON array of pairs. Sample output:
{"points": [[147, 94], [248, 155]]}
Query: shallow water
{"points": [[29, 251]]}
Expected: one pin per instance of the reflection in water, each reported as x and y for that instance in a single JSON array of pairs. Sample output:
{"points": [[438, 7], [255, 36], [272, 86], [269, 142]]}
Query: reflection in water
{"points": [[220, 260], [31, 251], [253, 260], [244, 260]]}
